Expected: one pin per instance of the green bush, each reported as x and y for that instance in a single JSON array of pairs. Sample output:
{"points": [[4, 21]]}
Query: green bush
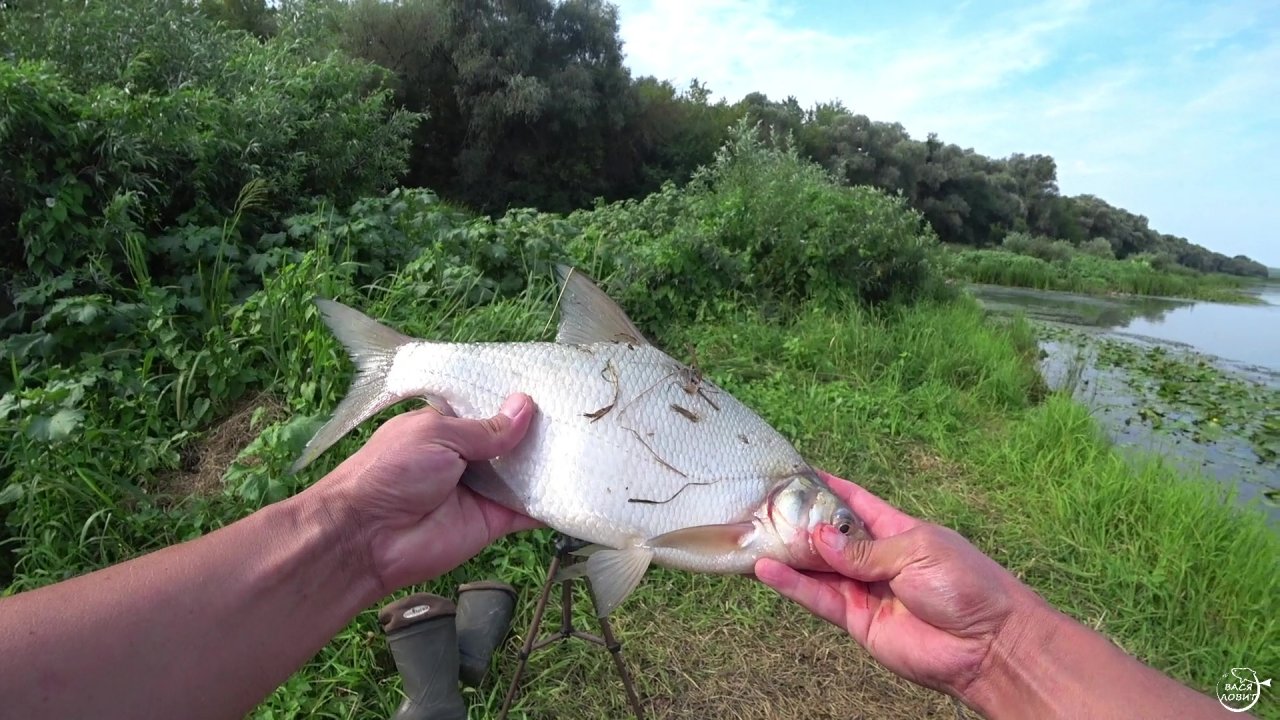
{"points": [[1098, 247], [136, 120], [760, 222], [1039, 246]]}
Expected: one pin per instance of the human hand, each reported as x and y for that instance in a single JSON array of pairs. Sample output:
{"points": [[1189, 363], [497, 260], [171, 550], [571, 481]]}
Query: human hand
{"points": [[407, 512], [919, 597]]}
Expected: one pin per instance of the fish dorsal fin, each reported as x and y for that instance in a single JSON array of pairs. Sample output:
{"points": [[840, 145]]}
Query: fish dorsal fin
{"points": [[587, 315]]}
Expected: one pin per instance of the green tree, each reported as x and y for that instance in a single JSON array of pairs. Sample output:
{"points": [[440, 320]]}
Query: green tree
{"points": [[528, 99]]}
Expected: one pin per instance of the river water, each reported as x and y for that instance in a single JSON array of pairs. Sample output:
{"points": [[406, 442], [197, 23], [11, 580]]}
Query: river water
{"points": [[1232, 351]]}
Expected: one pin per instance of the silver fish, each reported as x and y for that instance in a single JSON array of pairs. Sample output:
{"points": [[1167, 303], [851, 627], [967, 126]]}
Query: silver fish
{"points": [[630, 449]]}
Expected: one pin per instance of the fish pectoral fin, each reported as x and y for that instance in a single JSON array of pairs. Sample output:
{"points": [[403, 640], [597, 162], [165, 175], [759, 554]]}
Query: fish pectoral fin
{"points": [[439, 404], [588, 315], [613, 574], [706, 539], [484, 481]]}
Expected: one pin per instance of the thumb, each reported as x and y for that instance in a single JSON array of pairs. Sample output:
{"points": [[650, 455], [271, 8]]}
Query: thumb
{"points": [[484, 439], [867, 560]]}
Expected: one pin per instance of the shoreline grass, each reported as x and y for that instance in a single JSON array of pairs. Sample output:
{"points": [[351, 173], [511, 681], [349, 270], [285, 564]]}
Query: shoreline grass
{"points": [[1095, 276]]}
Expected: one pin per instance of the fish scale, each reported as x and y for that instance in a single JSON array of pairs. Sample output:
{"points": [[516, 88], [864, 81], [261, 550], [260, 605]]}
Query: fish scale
{"points": [[629, 449], [585, 474]]}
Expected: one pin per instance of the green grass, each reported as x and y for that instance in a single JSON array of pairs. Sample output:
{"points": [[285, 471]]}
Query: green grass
{"points": [[932, 406], [178, 424], [1094, 275], [935, 407]]}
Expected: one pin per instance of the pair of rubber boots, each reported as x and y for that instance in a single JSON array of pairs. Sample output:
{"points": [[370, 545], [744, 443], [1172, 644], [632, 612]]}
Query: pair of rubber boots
{"points": [[437, 644]]}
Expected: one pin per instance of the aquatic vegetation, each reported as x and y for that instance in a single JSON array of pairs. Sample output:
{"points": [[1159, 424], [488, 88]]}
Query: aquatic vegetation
{"points": [[1186, 393]]}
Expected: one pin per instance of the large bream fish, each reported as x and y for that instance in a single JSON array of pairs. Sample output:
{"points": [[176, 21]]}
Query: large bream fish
{"points": [[629, 449]]}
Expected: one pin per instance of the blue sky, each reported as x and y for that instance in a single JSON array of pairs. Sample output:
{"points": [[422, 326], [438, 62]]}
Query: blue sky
{"points": [[1168, 109]]}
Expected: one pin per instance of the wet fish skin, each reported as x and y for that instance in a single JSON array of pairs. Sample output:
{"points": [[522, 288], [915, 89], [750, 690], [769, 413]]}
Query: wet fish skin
{"points": [[630, 449]]}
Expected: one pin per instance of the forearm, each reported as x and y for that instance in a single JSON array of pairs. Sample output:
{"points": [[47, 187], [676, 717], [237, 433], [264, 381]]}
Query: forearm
{"points": [[207, 628], [1050, 666]]}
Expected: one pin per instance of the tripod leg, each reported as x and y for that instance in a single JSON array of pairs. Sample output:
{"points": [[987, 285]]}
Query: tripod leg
{"points": [[615, 649], [530, 638], [566, 608]]}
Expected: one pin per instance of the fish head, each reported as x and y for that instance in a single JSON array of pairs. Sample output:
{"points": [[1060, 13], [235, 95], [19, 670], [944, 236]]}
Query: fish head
{"points": [[794, 511]]}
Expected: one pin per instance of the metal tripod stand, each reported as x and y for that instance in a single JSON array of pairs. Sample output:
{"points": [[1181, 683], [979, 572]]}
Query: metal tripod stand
{"points": [[564, 546]]}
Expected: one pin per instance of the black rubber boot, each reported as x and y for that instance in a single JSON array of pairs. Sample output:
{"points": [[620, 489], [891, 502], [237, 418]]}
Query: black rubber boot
{"points": [[484, 618], [424, 643]]}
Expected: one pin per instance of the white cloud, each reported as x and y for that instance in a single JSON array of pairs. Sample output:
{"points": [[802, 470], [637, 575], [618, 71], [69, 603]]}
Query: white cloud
{"points": [[1142, 117]]}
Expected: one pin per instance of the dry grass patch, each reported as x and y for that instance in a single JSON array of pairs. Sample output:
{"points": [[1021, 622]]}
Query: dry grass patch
{"points": [[206, 461], [708, 647]]}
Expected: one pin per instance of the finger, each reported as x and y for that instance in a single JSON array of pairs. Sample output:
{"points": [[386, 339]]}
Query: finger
{"points": [[490, 437], [881, 518], [819, 597], [867, 560]]}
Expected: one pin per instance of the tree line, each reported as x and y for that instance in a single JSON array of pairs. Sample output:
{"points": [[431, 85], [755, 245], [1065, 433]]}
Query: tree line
{"points": [[528, 103]]}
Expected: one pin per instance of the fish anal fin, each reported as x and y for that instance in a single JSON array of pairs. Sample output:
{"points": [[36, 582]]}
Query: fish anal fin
{"points": [[706, 539], [588, 315], [613, 574]]}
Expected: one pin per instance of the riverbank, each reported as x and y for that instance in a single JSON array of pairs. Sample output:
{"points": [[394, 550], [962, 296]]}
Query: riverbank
{"points": [[933, 406], [187, 414], [1191, 380], [1082, 273]]}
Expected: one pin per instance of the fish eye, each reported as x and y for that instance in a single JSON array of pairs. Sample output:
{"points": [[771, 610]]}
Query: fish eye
{"points": [[843, 521]]}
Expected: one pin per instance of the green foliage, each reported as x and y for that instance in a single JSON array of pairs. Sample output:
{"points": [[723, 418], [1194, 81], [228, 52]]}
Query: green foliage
{"points": [[760, 222], [1040, 246], [134, 120], [1098, 247], [179, 180], [1085, 273], [970, 199], [529, 104], [532, 96]]}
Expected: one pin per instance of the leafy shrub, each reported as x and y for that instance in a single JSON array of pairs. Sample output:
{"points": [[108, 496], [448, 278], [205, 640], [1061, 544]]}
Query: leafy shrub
{"points": [[1098, 247], [1018, 242], [1039, 246], [760, 222], [142, 119]]}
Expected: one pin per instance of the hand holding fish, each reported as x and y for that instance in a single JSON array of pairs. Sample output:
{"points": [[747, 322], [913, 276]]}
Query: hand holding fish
{"points": [[919, 597], [934, 609], [415, 521]]}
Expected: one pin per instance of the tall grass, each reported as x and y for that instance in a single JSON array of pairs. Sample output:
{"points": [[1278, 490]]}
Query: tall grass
{"points": [[1162, 562], [1094, 275], [176, 423]]}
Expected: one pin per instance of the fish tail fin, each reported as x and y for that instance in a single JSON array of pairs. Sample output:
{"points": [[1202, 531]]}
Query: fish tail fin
{"points": [[372, 346]]}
